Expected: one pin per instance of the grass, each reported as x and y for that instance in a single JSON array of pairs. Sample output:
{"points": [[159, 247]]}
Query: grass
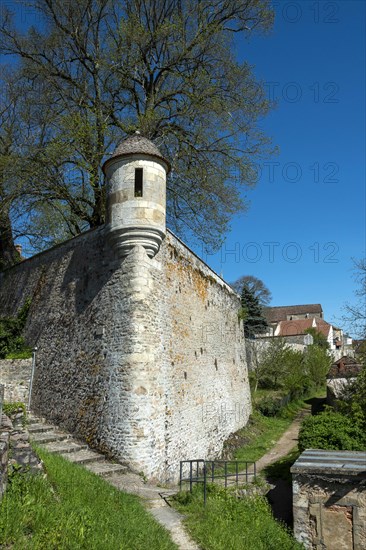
{"points": [[23, 354], [72, 508], [261, 433], [228, 522]]}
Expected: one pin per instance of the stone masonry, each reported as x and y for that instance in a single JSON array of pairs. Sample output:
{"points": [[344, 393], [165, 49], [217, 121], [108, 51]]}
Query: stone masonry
{"points": [[15, 376], [329, 499], [140, 348], [143, 358]]}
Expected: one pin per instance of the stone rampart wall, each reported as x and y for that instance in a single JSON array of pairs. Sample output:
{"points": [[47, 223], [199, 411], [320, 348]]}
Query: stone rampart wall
{"points": [[143, 358]]}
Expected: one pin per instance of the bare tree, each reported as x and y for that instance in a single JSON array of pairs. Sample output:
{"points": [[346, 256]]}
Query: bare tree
{"points": [[255, 286], [105, 68]]}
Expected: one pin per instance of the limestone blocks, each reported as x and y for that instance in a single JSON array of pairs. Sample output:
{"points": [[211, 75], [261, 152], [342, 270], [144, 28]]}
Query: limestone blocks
{"points": [[136, 196]]}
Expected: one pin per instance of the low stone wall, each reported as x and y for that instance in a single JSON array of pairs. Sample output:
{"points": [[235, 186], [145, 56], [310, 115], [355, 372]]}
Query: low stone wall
{"points": [[329, 500], [15, 377], [336, 387], [4, 446]]}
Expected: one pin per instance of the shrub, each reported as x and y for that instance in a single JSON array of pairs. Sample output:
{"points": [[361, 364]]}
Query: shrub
{"points": [[11, 409], [333, 431], [271, 406], [11, 328]]}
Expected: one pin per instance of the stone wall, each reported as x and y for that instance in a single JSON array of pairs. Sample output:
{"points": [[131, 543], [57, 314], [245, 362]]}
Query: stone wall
{"points": [[329, 500], [143, 358], [256, 349], [15, 376], [4, 446]]}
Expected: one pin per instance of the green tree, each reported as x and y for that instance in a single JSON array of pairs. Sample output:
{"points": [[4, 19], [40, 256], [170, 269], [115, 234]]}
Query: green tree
{"points": [[269, 370], [317, 363], [104, 68], [254, 322], [319, 339]]}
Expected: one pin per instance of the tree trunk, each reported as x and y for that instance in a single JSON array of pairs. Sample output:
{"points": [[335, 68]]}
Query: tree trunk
{"points": [[8, 254]]}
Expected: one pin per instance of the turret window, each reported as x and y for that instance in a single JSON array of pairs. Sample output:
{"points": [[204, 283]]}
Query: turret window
{"points": [[138, 182]]}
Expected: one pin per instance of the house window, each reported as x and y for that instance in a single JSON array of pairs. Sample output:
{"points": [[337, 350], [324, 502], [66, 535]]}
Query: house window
{"points": [[138, 182]]}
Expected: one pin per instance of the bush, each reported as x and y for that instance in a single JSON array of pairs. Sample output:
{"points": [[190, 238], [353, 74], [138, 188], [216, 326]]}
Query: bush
{"points": [[272, 406], [11, 328], [333, 431]]}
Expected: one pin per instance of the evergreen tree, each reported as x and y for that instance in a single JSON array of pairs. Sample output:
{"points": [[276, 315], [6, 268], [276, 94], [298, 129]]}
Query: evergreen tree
{"points": [[254, 322]]}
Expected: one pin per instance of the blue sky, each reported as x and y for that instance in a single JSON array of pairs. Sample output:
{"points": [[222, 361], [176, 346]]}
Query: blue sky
{"points": [[307, 212]]}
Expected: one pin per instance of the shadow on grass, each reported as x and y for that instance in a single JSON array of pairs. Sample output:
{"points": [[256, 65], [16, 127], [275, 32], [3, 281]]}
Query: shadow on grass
{"points": [[280, 496]]}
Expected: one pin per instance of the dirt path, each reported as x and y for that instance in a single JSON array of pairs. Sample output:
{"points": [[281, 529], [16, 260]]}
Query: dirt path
{"points": [[280, 494], [285, 444]]}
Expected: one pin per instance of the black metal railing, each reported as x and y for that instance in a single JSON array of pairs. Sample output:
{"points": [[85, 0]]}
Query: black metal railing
{"points": [[223, 471]]}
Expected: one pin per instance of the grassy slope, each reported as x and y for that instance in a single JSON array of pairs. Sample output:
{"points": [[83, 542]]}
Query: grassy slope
{"points": [[72, 508], [229, 523]]}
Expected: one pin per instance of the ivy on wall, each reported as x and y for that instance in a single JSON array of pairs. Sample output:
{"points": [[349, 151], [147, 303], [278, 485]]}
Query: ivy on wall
{"points": [[11, 329]]}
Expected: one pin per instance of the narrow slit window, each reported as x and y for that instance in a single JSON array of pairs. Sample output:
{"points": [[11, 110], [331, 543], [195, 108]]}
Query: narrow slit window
{"points": [[138, 182]]}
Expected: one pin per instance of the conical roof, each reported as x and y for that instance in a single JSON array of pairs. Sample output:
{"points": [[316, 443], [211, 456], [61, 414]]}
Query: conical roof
{"points": [[136, 145]]}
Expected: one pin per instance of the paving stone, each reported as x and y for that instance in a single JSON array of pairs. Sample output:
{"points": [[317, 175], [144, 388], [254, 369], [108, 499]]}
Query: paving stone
{"points": [[39, 427], [83, 456], [104, 468], [48, 437], [64, 447]]}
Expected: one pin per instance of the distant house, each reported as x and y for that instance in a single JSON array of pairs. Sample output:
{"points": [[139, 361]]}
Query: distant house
{"points": [[274, 315], [292, 323]]}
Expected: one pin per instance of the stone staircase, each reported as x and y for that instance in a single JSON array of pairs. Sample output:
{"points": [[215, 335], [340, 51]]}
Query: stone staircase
{"points": [[57, 441]]}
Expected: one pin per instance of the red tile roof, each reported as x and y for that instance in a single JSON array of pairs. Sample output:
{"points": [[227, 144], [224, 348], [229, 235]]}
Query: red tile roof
{"points": [[299, 326]]}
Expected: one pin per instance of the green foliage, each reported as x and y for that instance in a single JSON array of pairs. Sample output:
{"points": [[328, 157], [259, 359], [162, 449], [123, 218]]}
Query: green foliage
{"points": [[11, 328], [74, 509], [25, 353], [260, 434], [281, 367], [251, 310], [317, 363], [333, 431], [271, 406], [230, 522], [318, 338], [11, 408]]}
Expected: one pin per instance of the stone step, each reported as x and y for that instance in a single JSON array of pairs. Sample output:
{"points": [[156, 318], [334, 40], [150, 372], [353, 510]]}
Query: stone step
{"points": [[31, 419], [64, 447], [82, 456], [104, 468], [40, 427], [49, 437]]}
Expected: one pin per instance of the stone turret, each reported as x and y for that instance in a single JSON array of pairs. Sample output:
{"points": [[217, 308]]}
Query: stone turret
{"points": [[136, 196]]}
